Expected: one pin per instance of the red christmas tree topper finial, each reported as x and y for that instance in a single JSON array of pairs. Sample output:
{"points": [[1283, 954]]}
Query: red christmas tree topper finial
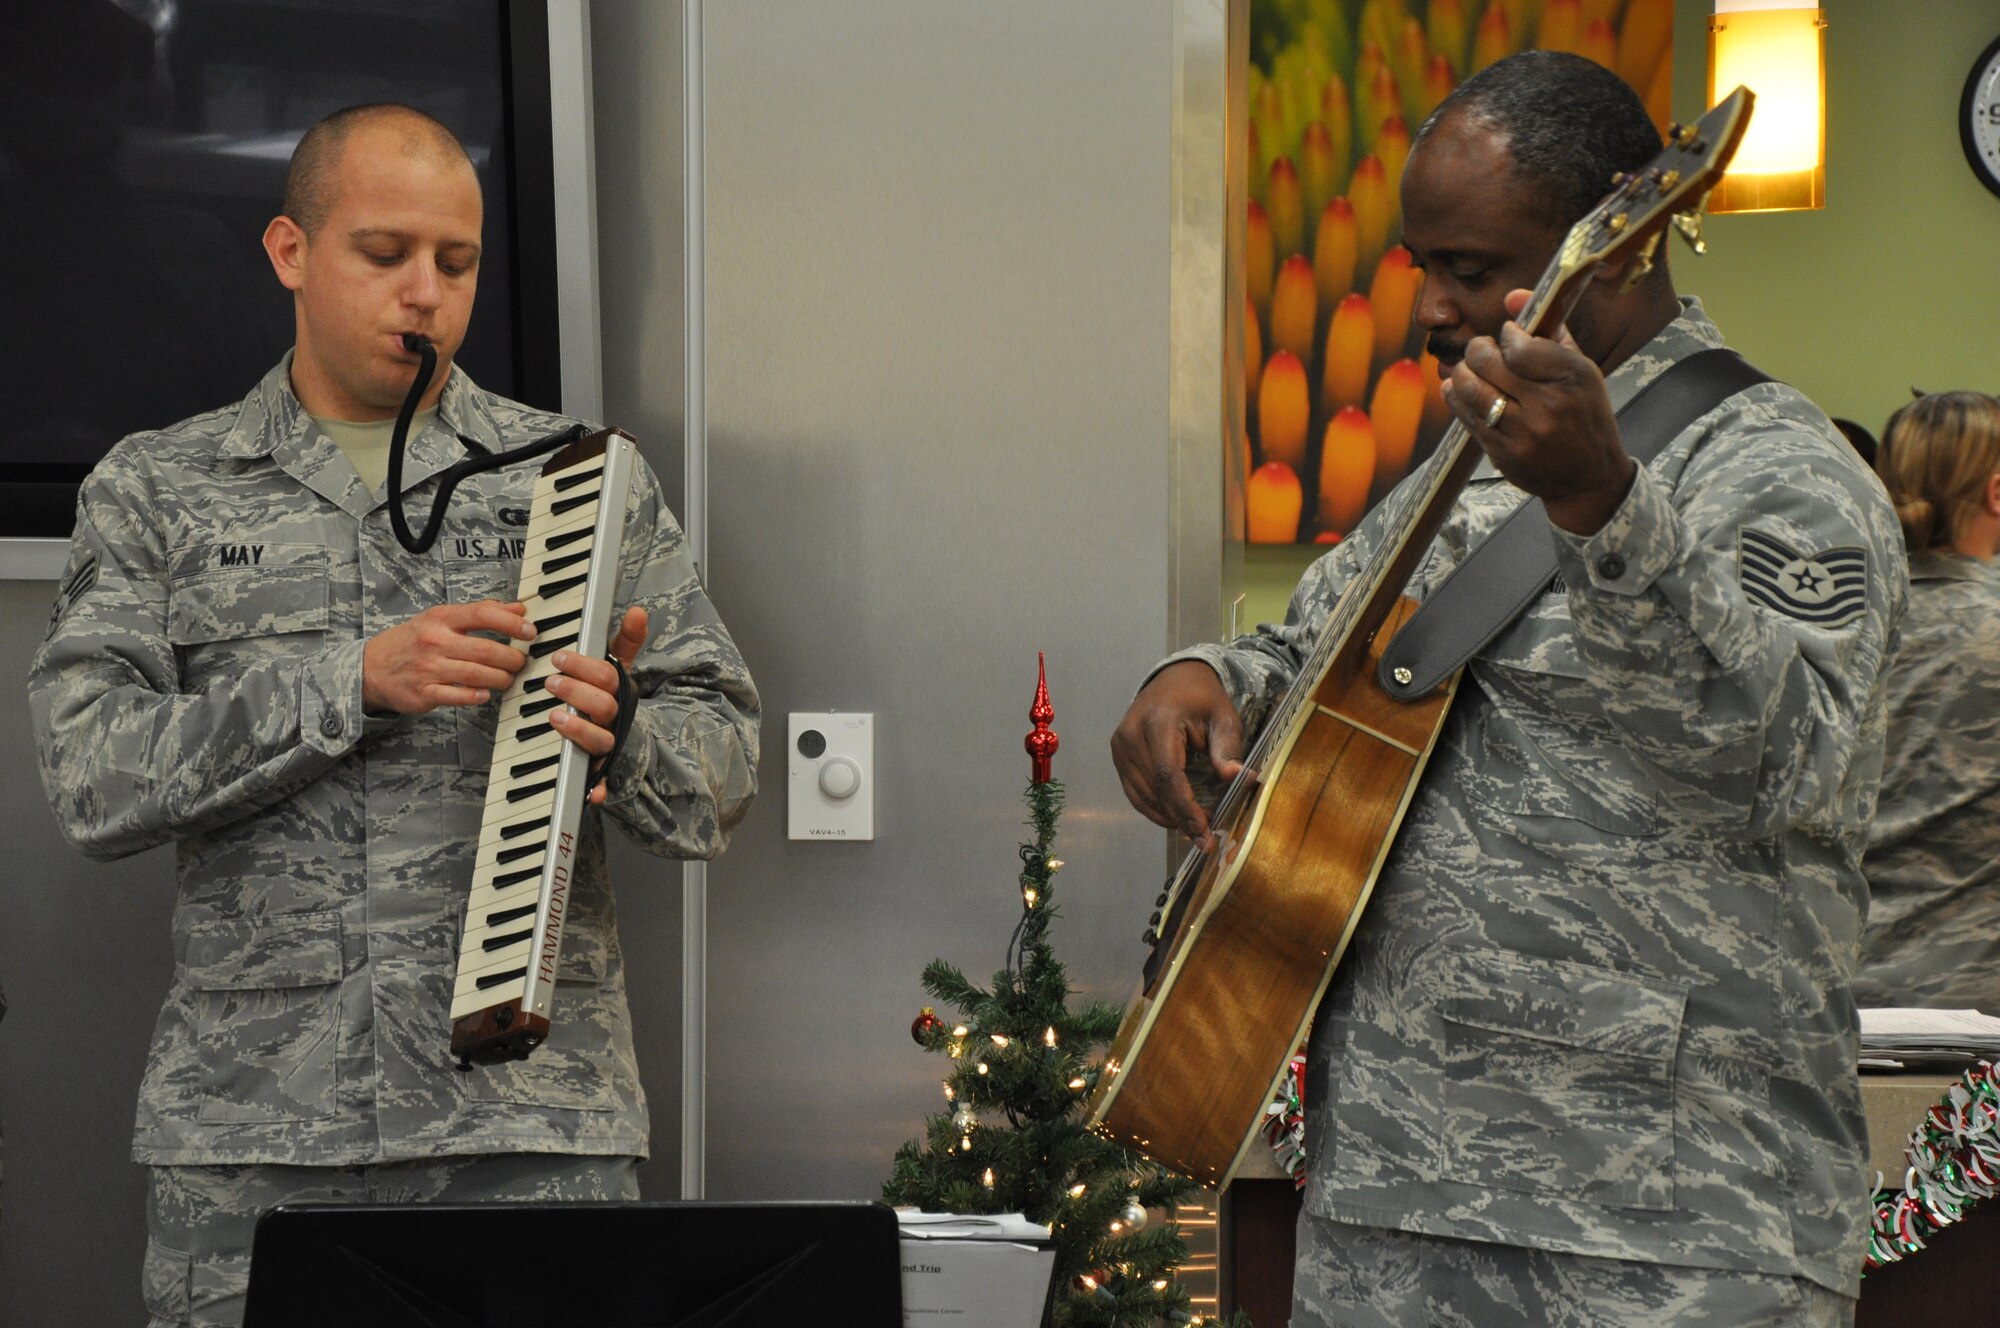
{"points": [[1041, 743]]}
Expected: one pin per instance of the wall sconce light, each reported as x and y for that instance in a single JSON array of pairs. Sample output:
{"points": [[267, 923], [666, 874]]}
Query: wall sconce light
{"points": [[1779, 53]]}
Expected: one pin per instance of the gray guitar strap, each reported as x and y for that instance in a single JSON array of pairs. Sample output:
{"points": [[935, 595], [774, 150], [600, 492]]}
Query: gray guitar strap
{"points": [[1515, 564]]}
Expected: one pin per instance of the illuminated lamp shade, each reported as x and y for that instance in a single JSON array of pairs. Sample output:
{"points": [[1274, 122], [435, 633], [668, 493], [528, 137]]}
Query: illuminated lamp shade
{"points": [[1780, 55]]}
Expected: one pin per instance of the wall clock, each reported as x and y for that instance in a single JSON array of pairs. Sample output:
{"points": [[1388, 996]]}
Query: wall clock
{"points": [[1979, 117]]}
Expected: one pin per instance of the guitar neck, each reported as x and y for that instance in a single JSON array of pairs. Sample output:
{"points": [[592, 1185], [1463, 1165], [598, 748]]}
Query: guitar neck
{"points": [[1408, 530]]}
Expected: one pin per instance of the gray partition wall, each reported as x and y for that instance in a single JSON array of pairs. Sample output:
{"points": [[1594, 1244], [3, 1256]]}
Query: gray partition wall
{"points": [[938, 338]]}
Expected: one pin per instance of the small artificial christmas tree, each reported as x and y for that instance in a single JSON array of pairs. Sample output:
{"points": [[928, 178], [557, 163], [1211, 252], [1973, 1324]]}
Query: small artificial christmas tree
{"points": [[1014, 1136]]}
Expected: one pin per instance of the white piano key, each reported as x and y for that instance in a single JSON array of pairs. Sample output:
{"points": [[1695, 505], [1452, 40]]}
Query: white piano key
{"points": [[476, 1000], [479, 962], [494, 829]]}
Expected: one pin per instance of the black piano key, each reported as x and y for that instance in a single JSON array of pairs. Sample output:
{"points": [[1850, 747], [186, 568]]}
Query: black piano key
{"points": [[507, 915], [530, 767], [537, 707], [550, 565], [493, 943], [529, 731], [516, 854], [515, 878], [550, 589], [583, 475], [522, 794], [526, 827], [563, 505], [541, 648], [561, 619], [568, 537], [534, 684], [495, 979]]}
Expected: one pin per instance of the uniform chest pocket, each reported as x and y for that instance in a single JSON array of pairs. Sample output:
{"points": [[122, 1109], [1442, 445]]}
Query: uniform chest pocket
{"points": [[1543, 747], [1559, 1080], [225, 620]]}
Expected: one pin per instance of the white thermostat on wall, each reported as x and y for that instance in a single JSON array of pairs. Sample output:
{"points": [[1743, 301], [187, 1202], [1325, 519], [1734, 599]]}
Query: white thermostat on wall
{"points": [[832, 783]]}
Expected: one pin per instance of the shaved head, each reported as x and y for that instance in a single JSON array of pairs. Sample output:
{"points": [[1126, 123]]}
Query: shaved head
{"points": [[314, 174]]}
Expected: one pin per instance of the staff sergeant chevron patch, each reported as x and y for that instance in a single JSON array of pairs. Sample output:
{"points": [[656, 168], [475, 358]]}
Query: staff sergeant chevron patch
{"points": [[1827, 589]]}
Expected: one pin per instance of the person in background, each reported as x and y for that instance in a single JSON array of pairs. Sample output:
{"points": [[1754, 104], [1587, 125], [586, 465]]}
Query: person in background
{"points": [[245, 663], [1858, 437], [1933, 859], [1599, 999]]}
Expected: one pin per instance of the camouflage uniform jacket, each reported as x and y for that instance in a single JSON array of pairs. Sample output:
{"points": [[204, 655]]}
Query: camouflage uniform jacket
{"points": [[1933, 858], [1599, 1001], [201, 684]]}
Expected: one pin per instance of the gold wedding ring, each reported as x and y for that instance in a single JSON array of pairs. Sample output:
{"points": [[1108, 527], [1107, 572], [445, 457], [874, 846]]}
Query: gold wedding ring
{"points": [[1496, 410]]}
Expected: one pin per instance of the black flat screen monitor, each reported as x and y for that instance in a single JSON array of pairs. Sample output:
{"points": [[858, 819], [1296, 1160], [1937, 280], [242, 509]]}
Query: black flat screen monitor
{"points": [[575, 1265], [143, 148]]}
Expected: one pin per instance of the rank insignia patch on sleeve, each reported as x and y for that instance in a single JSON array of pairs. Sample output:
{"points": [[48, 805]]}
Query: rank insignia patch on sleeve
{"points": [[79, 580], [1827, 589]]}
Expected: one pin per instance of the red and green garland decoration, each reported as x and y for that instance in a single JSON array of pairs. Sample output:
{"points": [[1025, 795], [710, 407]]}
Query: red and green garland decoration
{"points": [[1954, 1163], [1285, 1123]]}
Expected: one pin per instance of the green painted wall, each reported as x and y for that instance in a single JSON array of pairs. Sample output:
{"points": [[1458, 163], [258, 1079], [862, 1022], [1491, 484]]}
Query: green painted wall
{"points": [[1895, 283]]}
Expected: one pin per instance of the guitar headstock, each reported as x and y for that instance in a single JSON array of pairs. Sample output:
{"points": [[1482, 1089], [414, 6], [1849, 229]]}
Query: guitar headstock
{"points": [[1670, 190]]}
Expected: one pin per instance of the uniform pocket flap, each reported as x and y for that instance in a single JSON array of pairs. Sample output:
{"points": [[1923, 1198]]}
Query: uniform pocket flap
{"points": [[247, 602], [302, 950], [1570, 1004]]}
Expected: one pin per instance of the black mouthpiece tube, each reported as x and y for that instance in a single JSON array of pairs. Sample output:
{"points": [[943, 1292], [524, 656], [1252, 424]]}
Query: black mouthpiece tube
{"points": [[420, 346]]}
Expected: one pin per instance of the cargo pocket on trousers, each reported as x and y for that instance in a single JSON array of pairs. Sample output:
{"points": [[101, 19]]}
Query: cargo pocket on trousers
{"points": [[570, 1071], [1559, 1080], [164, 1278], [267, 1016]]}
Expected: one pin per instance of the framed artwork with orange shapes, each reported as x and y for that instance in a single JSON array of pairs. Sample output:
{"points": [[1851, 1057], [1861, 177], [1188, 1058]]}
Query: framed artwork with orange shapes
{"points": [[1340, 398]]}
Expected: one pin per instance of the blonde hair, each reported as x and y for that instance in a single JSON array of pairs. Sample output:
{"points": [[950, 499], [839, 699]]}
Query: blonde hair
{"points": [[1937, 455]]}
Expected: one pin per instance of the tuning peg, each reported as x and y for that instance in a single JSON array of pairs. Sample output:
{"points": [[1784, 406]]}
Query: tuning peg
{"points": [[1643, 265], [1689, 225]]}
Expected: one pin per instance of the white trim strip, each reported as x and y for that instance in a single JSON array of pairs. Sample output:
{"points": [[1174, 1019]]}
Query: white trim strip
{"points": [[694, 520]]}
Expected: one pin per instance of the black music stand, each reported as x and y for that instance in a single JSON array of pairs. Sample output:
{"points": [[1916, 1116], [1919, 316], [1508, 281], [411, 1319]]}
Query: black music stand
{"points": [[575, 1265]]}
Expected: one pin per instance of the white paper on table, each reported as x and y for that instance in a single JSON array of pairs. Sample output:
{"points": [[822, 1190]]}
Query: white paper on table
{"points": [[1911, 1033], [918, 1225], [978, 1283]]}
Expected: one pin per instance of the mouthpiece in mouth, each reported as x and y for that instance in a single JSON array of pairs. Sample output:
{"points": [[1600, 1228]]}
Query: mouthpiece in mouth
{"points": [[414, 342]]}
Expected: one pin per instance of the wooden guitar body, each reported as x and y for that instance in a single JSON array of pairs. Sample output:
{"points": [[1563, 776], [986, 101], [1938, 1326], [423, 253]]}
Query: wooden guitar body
{"points": [[1269, 918]]}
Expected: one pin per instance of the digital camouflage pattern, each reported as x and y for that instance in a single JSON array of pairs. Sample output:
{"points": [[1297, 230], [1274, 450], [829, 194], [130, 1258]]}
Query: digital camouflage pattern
{"points": [[201, 684], [1368, 1277], [1933, 859], [1599, 1002], [201, 1221]]}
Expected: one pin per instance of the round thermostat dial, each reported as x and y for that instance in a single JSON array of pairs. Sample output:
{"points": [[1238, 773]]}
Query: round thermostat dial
{"points": [[839, 777]]}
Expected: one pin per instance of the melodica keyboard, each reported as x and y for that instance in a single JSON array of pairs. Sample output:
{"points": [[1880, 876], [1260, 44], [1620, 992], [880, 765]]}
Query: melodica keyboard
{"points": [[500, 1008]]}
